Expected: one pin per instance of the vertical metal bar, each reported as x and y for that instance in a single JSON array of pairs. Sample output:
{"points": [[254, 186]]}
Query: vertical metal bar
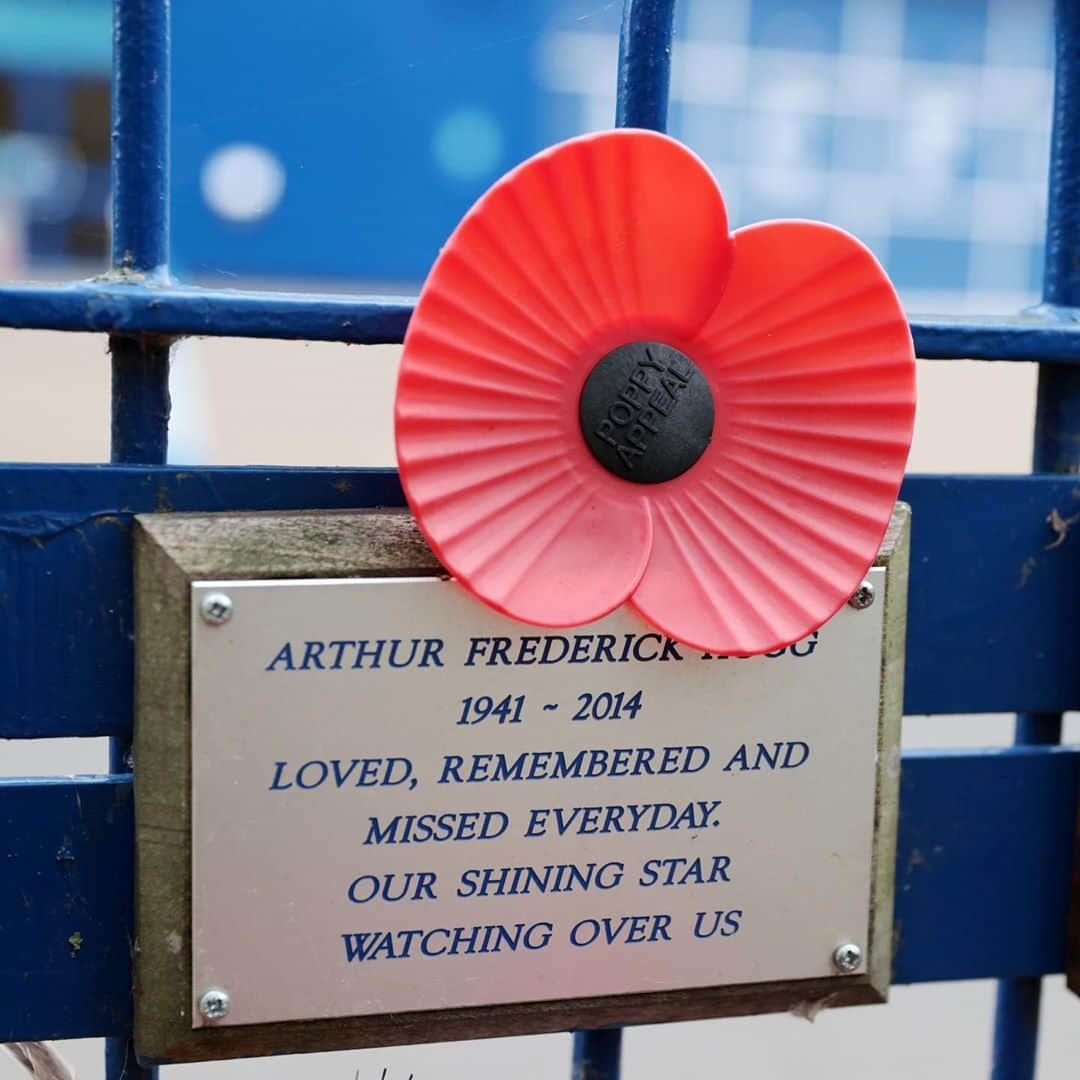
{"points": [[1057, 449], [140, 400], [140, 220], [1057, 418], [1061, 274], [644, 64], [644, 78], [1016, 1028], [140, 249], [1016, 1012], [120, 1061], [597, 1054], [140, 136]]}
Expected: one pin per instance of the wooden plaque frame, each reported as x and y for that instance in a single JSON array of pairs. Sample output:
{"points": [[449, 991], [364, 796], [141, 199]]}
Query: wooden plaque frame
{"points": [[172, 551]]}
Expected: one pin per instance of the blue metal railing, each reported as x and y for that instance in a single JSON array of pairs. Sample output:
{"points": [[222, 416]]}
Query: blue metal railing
{"points": [[140, 251], [1057, 420], [143, 310]]}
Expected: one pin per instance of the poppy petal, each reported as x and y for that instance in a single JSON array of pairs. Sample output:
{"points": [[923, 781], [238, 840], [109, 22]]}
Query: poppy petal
{"points": [[537, 544], [812, 367], [593, 243]]}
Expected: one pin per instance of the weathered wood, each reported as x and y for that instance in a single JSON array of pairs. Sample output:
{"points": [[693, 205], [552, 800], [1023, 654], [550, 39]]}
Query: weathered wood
{"points": [[172, 551], [895, 555]]}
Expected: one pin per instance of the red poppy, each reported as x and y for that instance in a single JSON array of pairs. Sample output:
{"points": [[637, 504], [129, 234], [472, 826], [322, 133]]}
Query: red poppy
{"points": [[605, 396]]}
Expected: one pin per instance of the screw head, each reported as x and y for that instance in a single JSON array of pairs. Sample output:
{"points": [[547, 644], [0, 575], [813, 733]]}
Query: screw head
{"points": [[862, 597], [216, 608], [214, 1003], [846, 957]]}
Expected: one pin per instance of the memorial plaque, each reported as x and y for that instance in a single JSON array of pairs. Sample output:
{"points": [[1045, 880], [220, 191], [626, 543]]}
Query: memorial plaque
{"points": [[401, 805]]}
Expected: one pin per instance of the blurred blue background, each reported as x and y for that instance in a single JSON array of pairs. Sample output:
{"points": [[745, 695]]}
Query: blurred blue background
{"points": [[333, 145]]}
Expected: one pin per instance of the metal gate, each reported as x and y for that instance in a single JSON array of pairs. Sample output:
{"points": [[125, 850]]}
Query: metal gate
{"points": [[994, 572]]}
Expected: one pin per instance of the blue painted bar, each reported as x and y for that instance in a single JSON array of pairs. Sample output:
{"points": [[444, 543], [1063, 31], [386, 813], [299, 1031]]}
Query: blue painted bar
{"points": [[185, 310], [1047, 335], [597, 1054], [1061, 273], [644, 64], [987, 630], [65, 572], [140, 247], [1016, 1029], [982, 885], [140, 400], [140, 136], [65, 919], [1057, 420], [140, 220], [982, 869]]}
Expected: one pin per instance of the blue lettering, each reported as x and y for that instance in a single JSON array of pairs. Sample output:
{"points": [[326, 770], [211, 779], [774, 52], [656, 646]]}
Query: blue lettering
{"points": [[580, 652], [546, 657], [341, 646], [628, 929], [683, 871], [499, 648], [527, 650], [284, 656], [792, 747], [432, 657], [275, 784], [641, 641], [604, 643], [477, 648], [783, 755], [437, 828], [446, 941], [321, 771], [313, 651], [365, 650], [395, 660], [412, 886], [727, 924], [670, 652]]}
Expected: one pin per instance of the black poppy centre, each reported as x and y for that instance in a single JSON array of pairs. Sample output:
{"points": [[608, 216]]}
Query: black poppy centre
{"points": [[646, 412]]}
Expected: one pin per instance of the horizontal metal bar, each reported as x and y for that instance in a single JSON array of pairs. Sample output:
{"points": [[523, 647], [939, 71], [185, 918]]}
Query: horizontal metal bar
{"points": [[136, 306], [72, 524], [981, 886], [1045, 334], [983, 863], [65, 907], [147, 307], [988, 631]]}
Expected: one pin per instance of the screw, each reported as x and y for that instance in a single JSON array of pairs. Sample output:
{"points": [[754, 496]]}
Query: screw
{"points": [[861, 598], [846, 957], [214, 1003], [216, 608]]}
